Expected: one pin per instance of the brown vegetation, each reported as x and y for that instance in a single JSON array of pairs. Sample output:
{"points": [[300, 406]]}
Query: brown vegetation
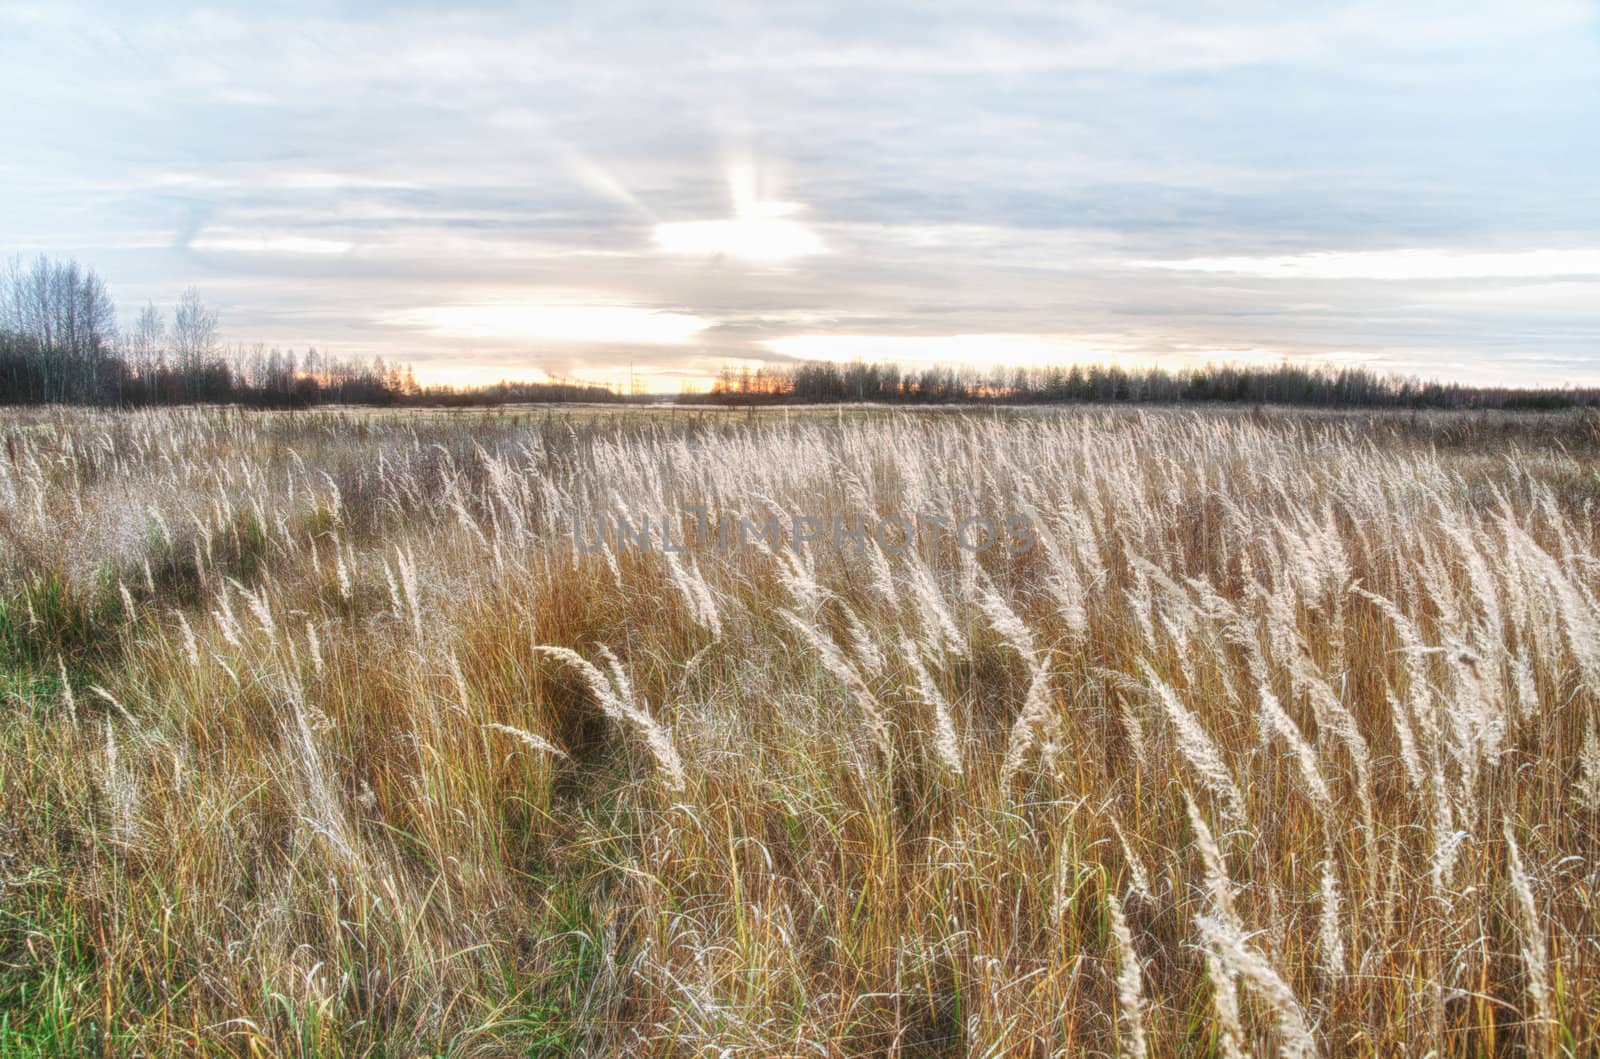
{"points": [[321, 735]]}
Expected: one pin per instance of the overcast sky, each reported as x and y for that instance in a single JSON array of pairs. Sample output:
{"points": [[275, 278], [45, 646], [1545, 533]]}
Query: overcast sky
{"points": [[493, 191]]}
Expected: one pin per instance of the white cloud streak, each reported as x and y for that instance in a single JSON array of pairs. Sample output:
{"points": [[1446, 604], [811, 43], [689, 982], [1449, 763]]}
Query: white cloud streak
{"points": [[1409, 264], [559, 323]]}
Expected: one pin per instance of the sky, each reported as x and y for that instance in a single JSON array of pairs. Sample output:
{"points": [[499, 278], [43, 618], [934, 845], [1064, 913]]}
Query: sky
{"points": [[648, 191]]}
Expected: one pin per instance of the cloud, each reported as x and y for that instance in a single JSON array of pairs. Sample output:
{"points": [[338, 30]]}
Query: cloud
{"points": [[562, 323], [1410, 264], [1017, 181], [992, 350], [270, 244]]}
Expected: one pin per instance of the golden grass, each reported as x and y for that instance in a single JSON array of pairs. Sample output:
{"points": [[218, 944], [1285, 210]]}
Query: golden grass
{"points": [[322, 736]]}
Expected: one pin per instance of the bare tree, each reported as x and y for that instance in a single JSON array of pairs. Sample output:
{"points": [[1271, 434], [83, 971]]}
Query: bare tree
{"points": [[68, 320], [148, 347], [194, 338]]}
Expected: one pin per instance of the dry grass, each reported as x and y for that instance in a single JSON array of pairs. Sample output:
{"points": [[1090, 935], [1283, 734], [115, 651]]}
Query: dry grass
{"points": [[322, 736]]}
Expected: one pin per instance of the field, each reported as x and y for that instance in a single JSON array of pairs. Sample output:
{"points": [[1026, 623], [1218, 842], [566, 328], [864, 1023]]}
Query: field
{"points": [[816, 733]]}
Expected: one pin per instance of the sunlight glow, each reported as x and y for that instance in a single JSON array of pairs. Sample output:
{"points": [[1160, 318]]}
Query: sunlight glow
{"points": [[560, 323], [759, 230], [622, 378], [751, 238], [467, 375]]}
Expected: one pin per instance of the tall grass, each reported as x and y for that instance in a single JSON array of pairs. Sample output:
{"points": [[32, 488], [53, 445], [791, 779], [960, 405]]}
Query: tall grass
{"points": [[326, 734]]}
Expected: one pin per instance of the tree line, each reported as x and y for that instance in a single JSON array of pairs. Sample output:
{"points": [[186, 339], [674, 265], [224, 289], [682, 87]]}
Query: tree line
{"points": [[1288, 384], [60, 343]]}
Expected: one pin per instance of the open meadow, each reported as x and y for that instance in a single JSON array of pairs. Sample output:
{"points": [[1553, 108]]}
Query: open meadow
{"points": [[810, 733]]}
